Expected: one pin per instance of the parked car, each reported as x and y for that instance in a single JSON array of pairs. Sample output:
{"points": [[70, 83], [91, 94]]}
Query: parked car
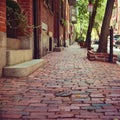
{"points": [[96, 42], [117, 43], [116, 37]]}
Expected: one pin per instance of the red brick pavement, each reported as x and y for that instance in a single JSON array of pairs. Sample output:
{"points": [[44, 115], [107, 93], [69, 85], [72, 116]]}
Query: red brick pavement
{"points": [[95, 89]]}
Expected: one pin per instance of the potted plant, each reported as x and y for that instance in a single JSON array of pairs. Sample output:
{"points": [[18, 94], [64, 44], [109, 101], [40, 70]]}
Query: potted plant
{"points": [[80, 41], [63, 22], [16, 19]]}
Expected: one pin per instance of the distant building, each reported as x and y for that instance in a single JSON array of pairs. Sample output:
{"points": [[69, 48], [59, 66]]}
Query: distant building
{"points": [[116, 17]]}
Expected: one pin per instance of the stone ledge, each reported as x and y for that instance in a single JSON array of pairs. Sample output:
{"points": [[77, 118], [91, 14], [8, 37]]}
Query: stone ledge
{"points": [[18, 56], [23, 69], [104, 57]]}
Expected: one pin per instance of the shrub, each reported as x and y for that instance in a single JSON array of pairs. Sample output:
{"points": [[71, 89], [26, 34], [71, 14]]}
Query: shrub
{"points": [[80, 39], [16, 18]]}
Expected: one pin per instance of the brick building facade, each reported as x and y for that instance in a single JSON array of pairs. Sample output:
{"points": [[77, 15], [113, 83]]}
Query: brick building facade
{"points": [[115, 20], [2, 35], [51, 28]]}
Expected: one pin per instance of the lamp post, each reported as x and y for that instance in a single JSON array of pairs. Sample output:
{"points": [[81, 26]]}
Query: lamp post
{"points": [[111, 45], [90, 7]]}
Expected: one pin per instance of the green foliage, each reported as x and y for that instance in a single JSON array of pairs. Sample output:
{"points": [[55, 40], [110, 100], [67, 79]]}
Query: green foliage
{"points": [[14, 5], [82, 10], [16, 18], [64, 22], [99, 16], [82, 17], [80, 39]]}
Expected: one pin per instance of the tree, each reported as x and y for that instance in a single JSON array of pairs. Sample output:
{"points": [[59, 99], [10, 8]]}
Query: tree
{"points": [[82, 17], [105, 27], [91, 23], [99, 17]]}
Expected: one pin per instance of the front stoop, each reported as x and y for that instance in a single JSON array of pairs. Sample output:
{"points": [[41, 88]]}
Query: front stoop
{"points": [[23, 69], [58, 49]]}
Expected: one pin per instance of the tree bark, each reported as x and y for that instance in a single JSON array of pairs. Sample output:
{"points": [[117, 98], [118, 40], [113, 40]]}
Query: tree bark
{"points": [[91, 23], [105, 27]]}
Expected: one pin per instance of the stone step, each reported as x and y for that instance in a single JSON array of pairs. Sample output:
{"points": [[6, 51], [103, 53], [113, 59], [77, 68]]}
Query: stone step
{"points": [[23, 69]]}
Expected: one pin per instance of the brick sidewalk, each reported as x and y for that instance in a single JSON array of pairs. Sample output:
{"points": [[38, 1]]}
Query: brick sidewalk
{"points": [[94, 89]]}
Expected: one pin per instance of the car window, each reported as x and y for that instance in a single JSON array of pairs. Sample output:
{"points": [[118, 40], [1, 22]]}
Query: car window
{"points": [[116, 36], [119, 38]]}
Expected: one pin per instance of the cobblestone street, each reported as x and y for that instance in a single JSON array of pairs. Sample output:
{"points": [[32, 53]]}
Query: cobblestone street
{"points": [[68, 87]]}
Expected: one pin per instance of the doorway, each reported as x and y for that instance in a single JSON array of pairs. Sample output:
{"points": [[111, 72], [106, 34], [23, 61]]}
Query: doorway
{"points": [[50, 44]]}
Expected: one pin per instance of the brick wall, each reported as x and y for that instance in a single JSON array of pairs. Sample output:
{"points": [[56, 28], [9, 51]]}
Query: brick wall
{"points": [[61, 31], [3, 15], [57, 22], [27, 6], [55, 19], [47, 16]]}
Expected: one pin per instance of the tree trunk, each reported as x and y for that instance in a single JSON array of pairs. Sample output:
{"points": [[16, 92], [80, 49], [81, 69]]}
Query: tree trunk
{"points": [[105, 27], [91, 23]]}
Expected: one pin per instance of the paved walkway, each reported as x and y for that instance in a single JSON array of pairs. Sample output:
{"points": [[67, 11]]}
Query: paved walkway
{"points": [[69, 87]]}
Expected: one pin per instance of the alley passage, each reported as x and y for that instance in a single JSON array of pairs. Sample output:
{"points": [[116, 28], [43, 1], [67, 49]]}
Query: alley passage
{"points": [[68, 87]]}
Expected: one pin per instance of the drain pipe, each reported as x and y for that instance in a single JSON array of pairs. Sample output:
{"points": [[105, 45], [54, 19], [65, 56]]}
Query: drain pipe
{"points": [[111, 45], [36, 20]]}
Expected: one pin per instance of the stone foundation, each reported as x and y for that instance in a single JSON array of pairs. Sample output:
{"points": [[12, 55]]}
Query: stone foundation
{"points": [[18, 56], [13, 44], [2, 51], [23, 69], [104, 57]]}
